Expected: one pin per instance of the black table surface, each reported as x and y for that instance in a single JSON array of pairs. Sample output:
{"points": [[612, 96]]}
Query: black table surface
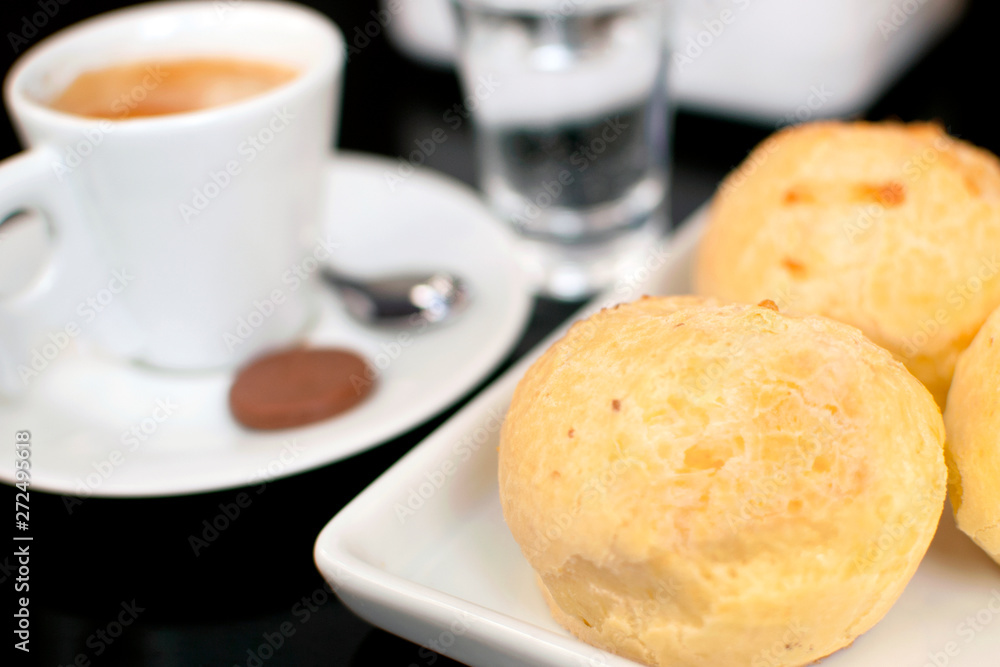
{"points": [[93, 559]]}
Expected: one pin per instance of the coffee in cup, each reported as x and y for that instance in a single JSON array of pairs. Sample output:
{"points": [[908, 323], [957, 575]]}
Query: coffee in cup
{"points": [[171, 86], [178, 153]]}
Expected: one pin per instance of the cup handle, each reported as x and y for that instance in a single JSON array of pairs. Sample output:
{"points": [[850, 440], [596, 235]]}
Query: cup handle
{"points": [[43, 313]]}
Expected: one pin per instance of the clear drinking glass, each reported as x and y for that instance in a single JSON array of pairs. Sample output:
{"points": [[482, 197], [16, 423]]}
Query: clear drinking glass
{"points": [[572, 123]]}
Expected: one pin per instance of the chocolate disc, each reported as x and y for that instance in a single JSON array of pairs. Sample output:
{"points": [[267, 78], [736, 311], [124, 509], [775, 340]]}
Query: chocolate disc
{"points": [[297, 387]]}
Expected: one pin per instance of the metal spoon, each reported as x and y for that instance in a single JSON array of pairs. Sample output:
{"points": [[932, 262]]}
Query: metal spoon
{"points": [[401, 300]]}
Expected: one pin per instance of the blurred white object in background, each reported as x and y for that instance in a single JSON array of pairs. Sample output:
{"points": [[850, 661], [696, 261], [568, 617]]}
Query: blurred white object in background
{"points": [[763, 60], [423, 29]]}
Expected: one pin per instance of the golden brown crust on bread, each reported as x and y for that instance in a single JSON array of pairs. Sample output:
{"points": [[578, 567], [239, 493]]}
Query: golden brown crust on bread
{"points": [[764, 491], [973, 448], [891, 227]]}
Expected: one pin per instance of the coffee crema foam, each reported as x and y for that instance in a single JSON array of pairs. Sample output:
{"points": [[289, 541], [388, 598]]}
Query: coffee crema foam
{"points": [[157, 88]]}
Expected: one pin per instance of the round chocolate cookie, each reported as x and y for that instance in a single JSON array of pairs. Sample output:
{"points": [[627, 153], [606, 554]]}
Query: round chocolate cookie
{"points": [[298, 386]]}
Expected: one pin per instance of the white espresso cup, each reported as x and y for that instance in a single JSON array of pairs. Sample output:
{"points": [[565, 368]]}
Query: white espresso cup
{"points": [[174, 239]]}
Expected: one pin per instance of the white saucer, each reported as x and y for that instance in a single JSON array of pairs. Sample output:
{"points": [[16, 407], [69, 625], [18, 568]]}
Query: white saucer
{"points": [[83, 408]]}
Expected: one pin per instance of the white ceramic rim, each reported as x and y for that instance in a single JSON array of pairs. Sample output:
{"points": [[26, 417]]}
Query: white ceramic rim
{"points": [[37, 60]]}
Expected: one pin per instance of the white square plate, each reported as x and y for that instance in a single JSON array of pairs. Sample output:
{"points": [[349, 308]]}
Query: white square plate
{"points": [[425, 554]]}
